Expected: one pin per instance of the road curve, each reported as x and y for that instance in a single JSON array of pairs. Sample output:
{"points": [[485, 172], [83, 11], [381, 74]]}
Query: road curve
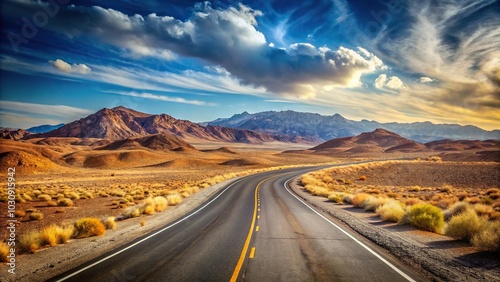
{"points": [[254, 229]]}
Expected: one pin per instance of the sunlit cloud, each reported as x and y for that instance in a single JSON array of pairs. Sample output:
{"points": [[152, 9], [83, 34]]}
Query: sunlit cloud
{"points": [[73, 68]]}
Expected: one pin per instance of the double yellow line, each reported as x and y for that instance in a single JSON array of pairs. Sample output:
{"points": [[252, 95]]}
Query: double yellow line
{"points": [[237, 269]]}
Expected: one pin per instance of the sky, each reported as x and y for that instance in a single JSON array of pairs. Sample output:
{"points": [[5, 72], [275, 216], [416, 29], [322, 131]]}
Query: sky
{"points": [[387, 60]]}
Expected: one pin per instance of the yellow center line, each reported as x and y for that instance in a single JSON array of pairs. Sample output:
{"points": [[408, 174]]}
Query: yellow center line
{"points": [[237, 269], [252, 253]]}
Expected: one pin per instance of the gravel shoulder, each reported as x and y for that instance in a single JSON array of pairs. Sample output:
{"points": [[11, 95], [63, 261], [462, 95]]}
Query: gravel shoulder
{"points": [[49, 262], [438, 257]]}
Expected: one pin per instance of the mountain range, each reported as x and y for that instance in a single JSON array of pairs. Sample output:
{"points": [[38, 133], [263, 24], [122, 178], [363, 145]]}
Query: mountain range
{"points": [[319, 128], [122, 123]]}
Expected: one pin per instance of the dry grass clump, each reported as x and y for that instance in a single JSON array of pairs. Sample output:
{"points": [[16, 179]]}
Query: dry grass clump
{"points": [[64, 233], [434, 159], [362, 178], [347, 198], [44, 197], [455, 209], [65, 202], [359, 199], [4, 252], [36, 216], [142, 222], [465, 225], [48, 235], [372, 203], [425, 217], [19, 213], [132, 212], [161, 203], [174, 199], [89, 227], [72, 195], [29, 242], [488, 238], [392, 211], [336, 197], [109, 222], [484, 210]]}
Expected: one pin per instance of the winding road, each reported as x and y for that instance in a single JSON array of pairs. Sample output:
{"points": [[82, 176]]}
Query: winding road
{"points": [[253, 229]]}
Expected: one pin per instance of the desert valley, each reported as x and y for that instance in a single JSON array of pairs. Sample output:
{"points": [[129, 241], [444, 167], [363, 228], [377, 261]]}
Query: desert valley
{"points": [[120, 166]]}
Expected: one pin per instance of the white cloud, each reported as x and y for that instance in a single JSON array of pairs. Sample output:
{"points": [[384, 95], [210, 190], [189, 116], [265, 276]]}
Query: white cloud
{"points": [[67, 68], [393, 82], [163, 98], [228, 38], [425, 79]]}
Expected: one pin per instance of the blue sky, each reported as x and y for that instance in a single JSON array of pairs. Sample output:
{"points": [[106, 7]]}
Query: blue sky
{"points": [[388, 60]]}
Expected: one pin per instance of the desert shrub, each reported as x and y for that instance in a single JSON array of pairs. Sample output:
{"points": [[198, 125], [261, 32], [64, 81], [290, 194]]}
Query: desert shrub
{"points": [[131, 212], [492, 191], [373, 203], [358, 199], [174, 199], [391, 211], [142, 222], [161, 203], [488, 238], [495, 216], [36, 216], [89, 227], [446, 188], [455, 209], [44, 197], [494, 196], [483, 210], [72, 195], [347, 198], [148, 209], [103, 194], [465, 225], [64, 233], [48, 235], [473, 200], [4, 252], [87, 195], [412, 201], [109, 222], [336, 198], [20, 213], [434, 159], [27, 197], [29, 242], [425, 217], [65, 202], [362, 178]]}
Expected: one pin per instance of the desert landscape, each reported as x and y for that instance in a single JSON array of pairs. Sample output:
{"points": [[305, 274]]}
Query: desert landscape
{"points": [[250, 140], [128, 171]]}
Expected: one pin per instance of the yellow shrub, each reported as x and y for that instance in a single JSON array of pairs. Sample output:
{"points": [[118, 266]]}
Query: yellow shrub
{"points": [[36, 216], [131, 212], [488, 238], [391, 211], [465, 225], [161, 202], [174, 199], [48, 236], [64, 233], [65, 202], [109, 222], [4, 252], [359, 199], [29, 242], [88, 227], [426, 217]]}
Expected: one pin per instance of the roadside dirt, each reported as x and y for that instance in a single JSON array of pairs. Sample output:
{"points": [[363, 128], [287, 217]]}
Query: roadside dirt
{"points": [[439, 257]]}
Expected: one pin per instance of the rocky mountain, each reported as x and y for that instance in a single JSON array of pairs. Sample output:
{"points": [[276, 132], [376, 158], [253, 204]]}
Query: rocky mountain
{"points": [[14, 134], [44, 128], [320, 128], [122, 123]]}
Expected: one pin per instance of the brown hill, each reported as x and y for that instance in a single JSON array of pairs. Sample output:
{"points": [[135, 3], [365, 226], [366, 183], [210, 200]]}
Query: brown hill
{"points": [[25, 162], [167, 142], [461, 145], [14, 134], [122, 123], [380, 140]]}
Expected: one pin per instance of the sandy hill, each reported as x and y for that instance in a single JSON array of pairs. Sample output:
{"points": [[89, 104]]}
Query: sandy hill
{"points": [[167, 142], [377, 141], [122, 123], [460, 145]]}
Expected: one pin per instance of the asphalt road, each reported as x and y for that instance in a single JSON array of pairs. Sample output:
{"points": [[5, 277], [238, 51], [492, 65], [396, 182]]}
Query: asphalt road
{"points": [[254, 229]]}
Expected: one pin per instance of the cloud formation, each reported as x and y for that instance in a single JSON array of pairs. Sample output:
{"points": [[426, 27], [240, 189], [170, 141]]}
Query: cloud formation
{"points": [[425, 79], [163, 98], [394, 83], [223, 37], [67, 68]]}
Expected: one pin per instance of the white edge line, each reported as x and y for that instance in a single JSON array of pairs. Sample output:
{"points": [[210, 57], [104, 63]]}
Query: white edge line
{"points": [[352, 237], [146, 238]]}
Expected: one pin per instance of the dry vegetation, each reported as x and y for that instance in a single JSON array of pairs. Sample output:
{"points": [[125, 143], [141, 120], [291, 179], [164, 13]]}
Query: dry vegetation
{"points": [[83, 192], [461, 200]]}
